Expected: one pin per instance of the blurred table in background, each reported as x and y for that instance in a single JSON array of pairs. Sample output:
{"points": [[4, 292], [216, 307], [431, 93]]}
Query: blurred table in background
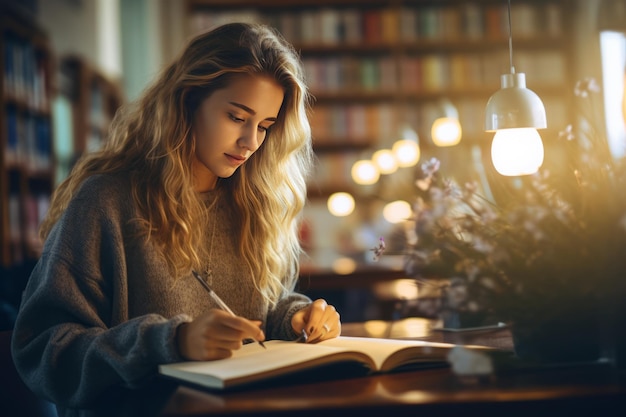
{"points": [[431, 330]]}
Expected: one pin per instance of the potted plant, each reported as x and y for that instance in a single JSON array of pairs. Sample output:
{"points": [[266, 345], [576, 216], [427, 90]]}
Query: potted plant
{"points": [[550, 261]]}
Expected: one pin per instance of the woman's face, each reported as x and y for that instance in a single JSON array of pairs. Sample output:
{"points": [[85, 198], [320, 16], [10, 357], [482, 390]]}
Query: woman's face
{"points": [[231, 124]]}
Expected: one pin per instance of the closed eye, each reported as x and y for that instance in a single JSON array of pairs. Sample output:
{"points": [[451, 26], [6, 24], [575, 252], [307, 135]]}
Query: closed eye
{"points": [[261, 128], [235, 118], [267, 125]]}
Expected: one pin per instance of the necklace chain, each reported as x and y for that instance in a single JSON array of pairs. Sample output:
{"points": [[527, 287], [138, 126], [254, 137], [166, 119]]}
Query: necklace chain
{"points": [[208, 272]]}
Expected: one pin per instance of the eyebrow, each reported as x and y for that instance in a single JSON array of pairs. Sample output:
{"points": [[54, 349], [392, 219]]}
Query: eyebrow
{"points": [[249, 110]]}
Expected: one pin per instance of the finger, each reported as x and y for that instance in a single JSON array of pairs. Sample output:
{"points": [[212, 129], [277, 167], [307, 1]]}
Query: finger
{"points": [[211, 353], [198, 344], [314, 319], [330, 334], [252, 329], [328, 325], [239, 328], [215, 345], [225, 331], [298, 320], [331, 325]]}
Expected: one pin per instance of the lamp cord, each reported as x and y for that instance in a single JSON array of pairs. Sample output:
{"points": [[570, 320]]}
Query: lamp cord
{"points": [[510, 40]]}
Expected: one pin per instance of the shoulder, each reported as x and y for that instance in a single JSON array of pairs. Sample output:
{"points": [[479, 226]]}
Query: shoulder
{"points": [[105, 190], [105, 186], [100, 206], [103, 193]]}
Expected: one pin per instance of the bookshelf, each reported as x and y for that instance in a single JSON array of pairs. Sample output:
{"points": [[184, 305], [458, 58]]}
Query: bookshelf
{"points": [[26, 157], [374, 65], [92, 100], [33, 82]]}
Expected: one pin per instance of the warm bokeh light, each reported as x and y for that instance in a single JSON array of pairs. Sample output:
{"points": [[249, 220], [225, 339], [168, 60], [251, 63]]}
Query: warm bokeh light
{"points": [[365, 172], [340, 204], [344, 266], [411, 326], [398, 289], [397, 211], [446, 131], [385, 161], [517, 152], [376, 328], [407, 152]]}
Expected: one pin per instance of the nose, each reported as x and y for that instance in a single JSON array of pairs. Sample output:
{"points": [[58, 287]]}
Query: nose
{"points": [[249, 139]]}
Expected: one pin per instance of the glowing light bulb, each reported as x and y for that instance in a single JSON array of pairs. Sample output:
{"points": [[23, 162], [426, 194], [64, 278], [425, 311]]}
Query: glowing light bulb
{"points": [[340, 204], [517, 151], [397, 211], [344, 266], [385, 161], [407, 152], [365, 172], [446, 131]]}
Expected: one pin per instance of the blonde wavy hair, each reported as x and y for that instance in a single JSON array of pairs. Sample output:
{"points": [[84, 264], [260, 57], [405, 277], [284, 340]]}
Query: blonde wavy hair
{"points": [[151, 140]]}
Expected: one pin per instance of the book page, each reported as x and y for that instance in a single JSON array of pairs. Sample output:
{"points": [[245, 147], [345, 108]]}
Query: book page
{"points": [[388, 354], [253, 362]]}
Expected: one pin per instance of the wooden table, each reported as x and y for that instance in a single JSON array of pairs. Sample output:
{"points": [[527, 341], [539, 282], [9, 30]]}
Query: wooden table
{"points": [[594, 390]]}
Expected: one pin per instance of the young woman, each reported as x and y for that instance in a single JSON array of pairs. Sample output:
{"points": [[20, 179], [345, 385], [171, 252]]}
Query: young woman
{"points": [[205, 173]]}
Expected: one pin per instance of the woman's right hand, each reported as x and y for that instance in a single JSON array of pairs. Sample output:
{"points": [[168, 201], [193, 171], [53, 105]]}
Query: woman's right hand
{"points": [[215, 334]]}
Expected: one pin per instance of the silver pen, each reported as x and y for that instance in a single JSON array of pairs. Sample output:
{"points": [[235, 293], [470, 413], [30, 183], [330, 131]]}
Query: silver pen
{"points": [[217, 299]]}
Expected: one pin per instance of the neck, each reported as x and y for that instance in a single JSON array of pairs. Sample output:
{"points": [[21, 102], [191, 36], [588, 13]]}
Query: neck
{"points": [[205, 185]]}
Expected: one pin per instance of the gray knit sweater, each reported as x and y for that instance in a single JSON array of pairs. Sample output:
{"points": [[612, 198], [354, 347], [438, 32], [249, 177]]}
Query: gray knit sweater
{"points": [[100, 311]]}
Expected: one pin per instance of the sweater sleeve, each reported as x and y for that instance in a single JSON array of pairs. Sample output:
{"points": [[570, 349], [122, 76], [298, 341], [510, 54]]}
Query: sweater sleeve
{"points": [[72, 339], [279, 318]]}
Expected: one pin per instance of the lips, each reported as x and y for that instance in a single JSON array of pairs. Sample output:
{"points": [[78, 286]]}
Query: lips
{"points": [[236, 159]]}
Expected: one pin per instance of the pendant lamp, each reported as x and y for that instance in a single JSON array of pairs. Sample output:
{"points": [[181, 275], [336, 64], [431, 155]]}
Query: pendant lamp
{"points": [[515, 113]]}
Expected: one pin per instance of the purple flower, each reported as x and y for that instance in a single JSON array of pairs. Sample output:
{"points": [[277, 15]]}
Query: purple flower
{"points": [[431, 166], [585, 86], [567, 133], [379, 249]]}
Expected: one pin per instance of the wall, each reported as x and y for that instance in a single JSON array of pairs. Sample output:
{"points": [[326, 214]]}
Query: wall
{"points": [[88, 28], [127, 40]]}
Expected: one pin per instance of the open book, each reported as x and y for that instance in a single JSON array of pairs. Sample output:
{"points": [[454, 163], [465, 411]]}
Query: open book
{"points": [[252, 363]]}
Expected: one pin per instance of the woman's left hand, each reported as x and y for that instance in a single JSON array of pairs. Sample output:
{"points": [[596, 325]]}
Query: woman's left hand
{"points": [[319, 320]]}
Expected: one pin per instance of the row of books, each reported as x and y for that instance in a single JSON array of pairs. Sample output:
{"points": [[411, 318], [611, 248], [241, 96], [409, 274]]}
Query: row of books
{"points": [[99, 116], [333, 171], [24, 73], [372, 124], [349, 25], [352, 124], [430, 72], [94, 140], [379, 123], [25, 215], [29, 140]]}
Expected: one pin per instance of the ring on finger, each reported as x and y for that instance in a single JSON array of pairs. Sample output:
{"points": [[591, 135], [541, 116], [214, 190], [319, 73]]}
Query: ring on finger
{"points": [[326, 327]]}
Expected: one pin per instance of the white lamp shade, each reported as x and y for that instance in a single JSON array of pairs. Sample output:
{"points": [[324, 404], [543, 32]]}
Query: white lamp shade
{"points": [[514, 106], [517, 152]]}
